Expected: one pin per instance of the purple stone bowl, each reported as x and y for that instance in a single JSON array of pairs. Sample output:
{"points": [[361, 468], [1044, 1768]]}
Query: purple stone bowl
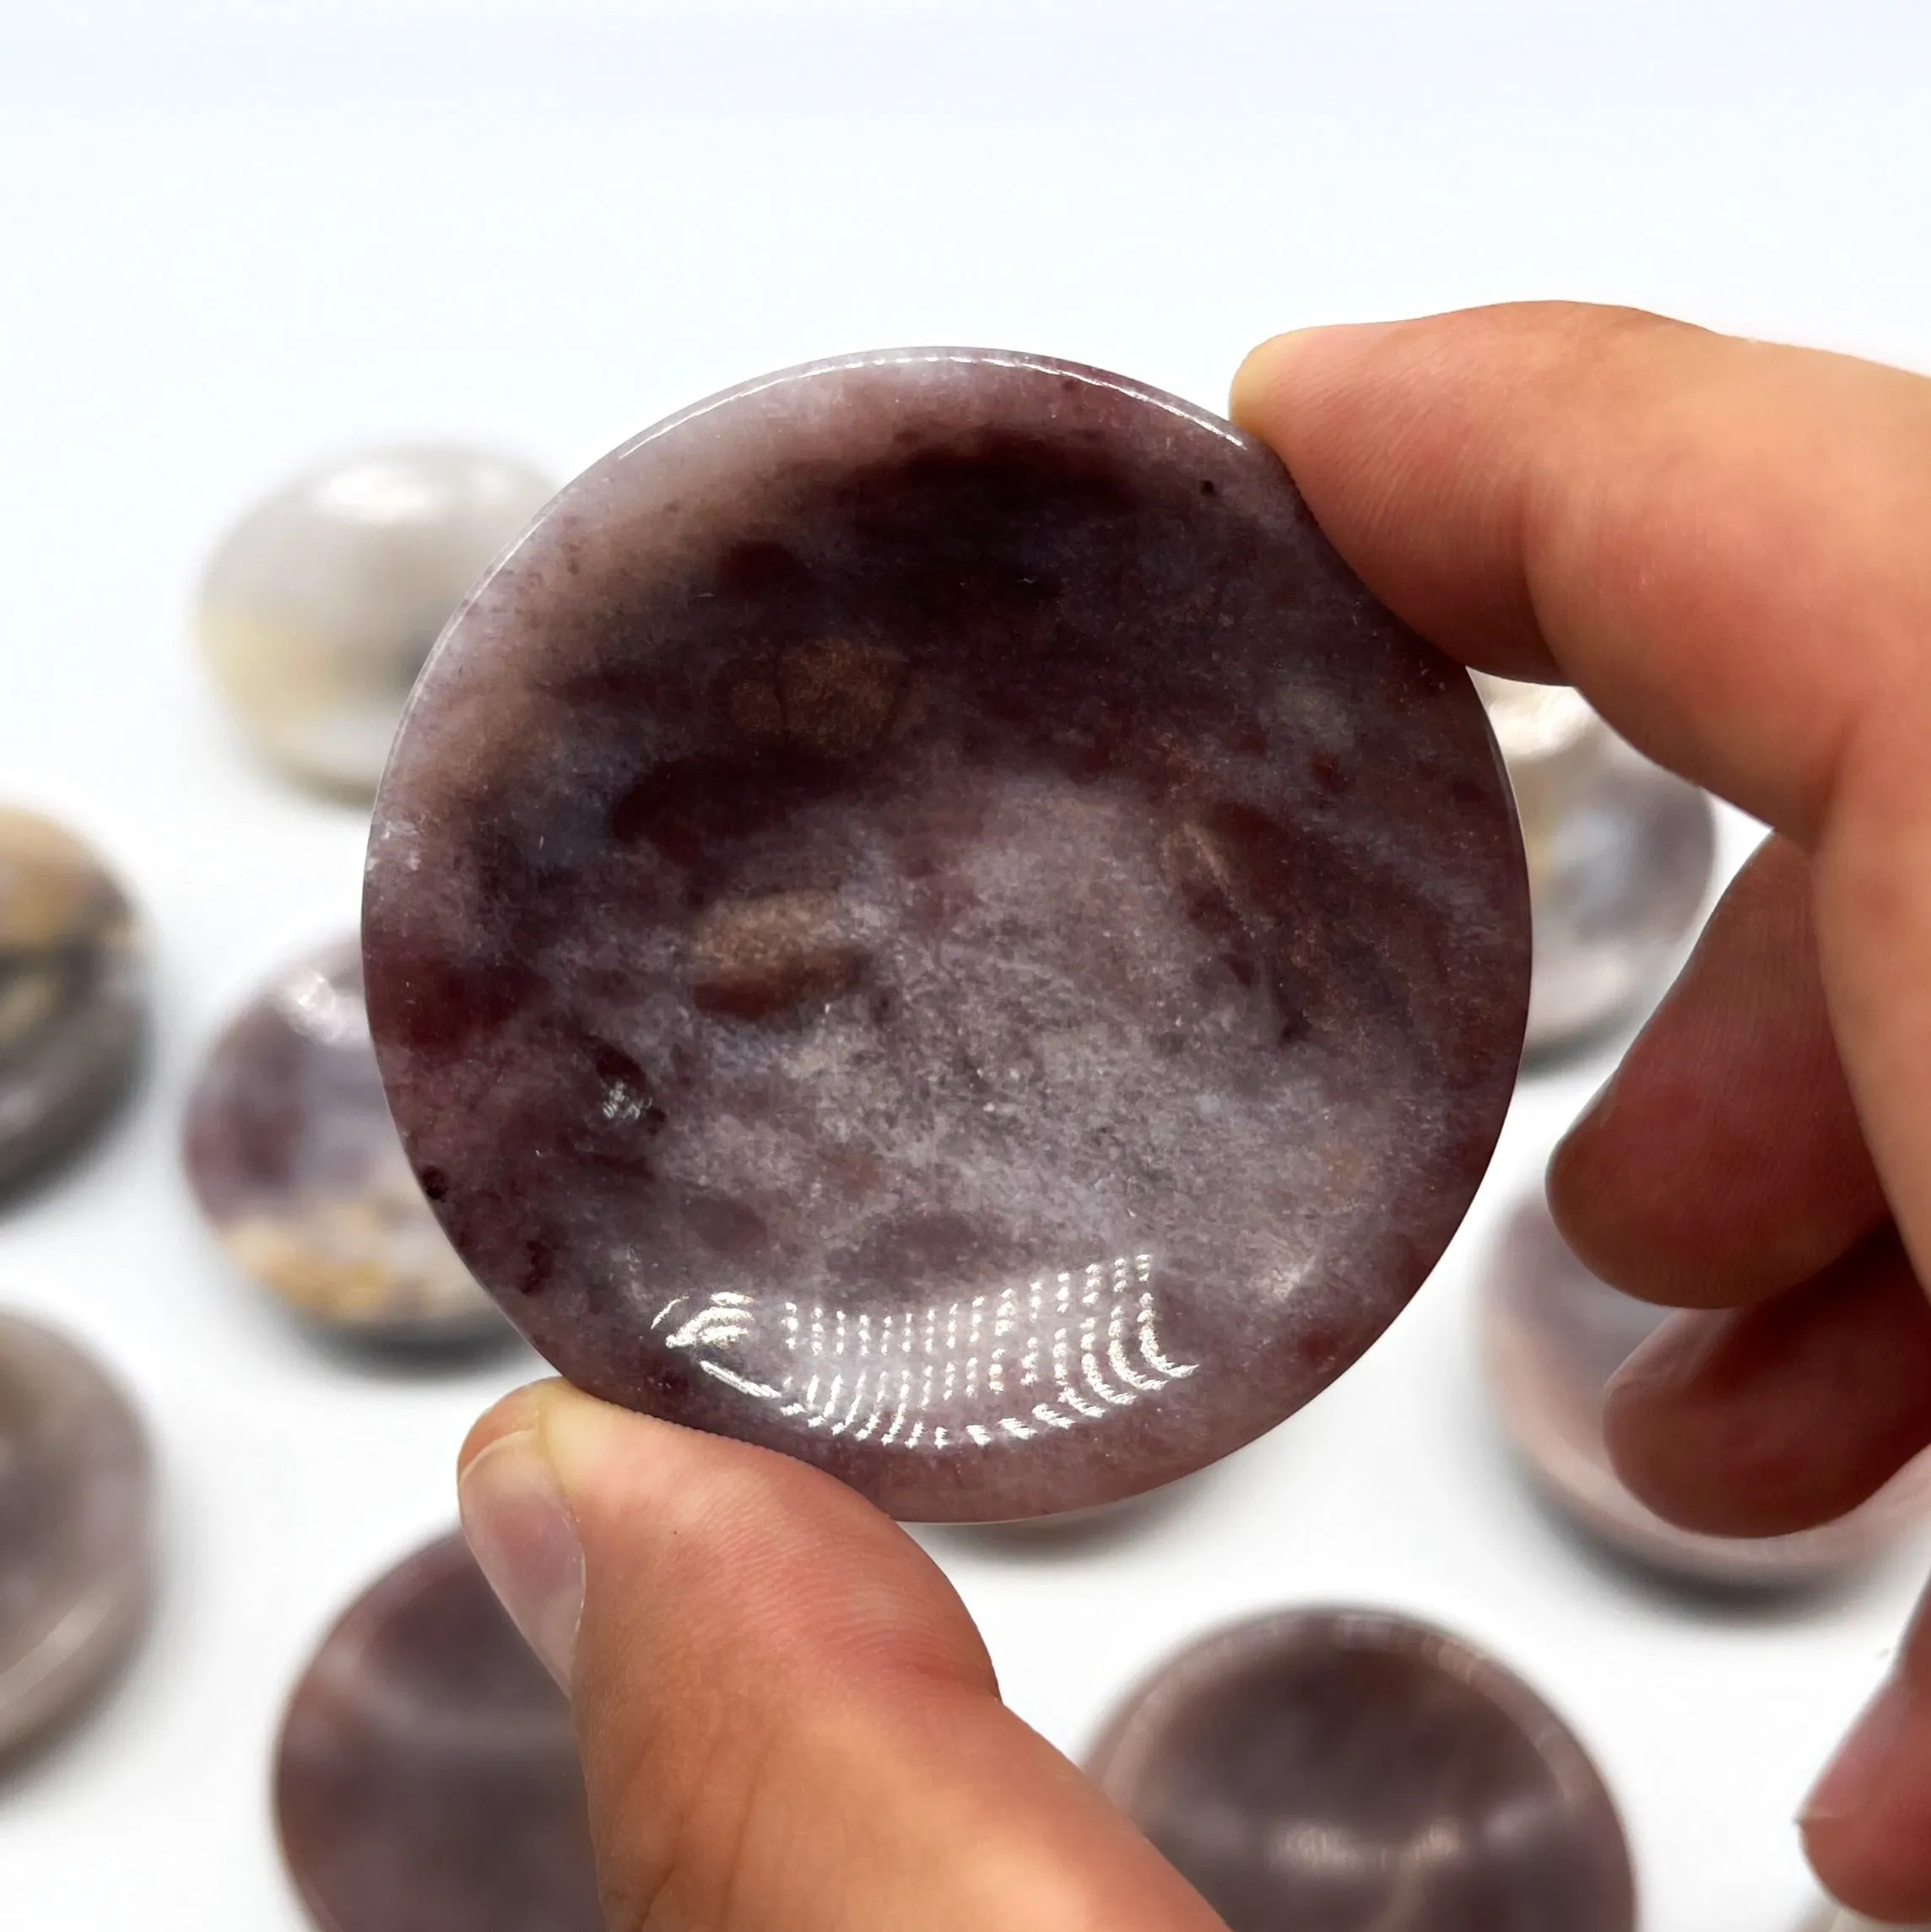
{"points": [[923, 918]]}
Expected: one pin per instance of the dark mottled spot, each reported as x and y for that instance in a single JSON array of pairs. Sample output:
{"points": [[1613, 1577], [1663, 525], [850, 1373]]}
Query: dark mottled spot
{"points": [[1317, 1344], [761, 569], [439, 1006], [538, 1265], [728, 1227], [686, 806], [613, 1063], [434, 1183], [952, 1244]]}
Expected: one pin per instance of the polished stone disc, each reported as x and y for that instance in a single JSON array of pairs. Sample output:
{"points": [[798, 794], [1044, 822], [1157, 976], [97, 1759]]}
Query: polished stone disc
{"points": [[72, 993], [1352, 1771], [1553, 1337], [76, 1498], [294, 1158], [923, 918], [427, 1778], [320, 606], [1619, 856]]}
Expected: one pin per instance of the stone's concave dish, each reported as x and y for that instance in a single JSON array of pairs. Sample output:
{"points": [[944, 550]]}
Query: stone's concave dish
{"points": [[426, 1779], [73, 993], [1620, 857], [294, 1160], [76, 1500], [1553, 1336], [320, 604], [1357, 1772], [924, 919]]}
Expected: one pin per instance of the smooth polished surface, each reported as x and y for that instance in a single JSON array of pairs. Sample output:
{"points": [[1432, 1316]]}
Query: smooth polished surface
{"points": [[1620, 858], [72, 993], [427, 1779], [76, 1497], [923, 918], [293, 1157], [320, 606], [1553, 1335], [1353, 1772]]}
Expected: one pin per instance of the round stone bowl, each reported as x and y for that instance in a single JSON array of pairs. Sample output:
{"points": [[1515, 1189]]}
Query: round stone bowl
{"points": [[294, 1161], [426, 1775], [319, 607], [1357, 1771], [77, 1561], [924, 919]]}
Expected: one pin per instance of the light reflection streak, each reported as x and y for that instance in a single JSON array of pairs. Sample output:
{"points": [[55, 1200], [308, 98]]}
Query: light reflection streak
{"points": [[974, 1371]]}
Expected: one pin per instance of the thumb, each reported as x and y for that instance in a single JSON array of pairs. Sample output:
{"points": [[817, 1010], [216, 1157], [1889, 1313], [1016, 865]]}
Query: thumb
{"points": [[787, 1721]]}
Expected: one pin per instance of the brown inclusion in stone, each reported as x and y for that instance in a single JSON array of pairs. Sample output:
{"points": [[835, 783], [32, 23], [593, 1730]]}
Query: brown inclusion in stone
{"points": [[427, 1777], [924, 919], [1355, 1772]]}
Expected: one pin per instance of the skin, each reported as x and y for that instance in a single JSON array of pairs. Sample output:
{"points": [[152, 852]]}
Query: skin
{"points": [[1723, 544]]}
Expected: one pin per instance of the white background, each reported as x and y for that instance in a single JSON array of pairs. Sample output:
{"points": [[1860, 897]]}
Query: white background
{"points": [[234, 239]]}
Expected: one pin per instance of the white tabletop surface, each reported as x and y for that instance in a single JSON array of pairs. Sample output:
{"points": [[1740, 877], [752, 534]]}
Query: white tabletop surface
{"points": [[236, 238]]}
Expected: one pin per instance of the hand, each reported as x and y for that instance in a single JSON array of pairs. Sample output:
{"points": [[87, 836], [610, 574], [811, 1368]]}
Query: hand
{"points": [[788, 1723], [1727, 547]]}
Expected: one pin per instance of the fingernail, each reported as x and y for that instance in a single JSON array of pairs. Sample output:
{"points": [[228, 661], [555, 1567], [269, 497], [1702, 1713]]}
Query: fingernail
{"points": [[1674, 1354], [1863, 1766], [525, 1542], [1253, 380]]}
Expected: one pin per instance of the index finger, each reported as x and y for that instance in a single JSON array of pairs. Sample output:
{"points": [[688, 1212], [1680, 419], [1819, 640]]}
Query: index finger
{"points": [[1721, 542]]}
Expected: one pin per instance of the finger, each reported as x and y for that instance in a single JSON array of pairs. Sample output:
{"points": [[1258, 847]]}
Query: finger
{"points": [[1712, 537], [1725, 1162], [787, 1721], [1783, 1416], [1867, 1827], [1721, 542]]}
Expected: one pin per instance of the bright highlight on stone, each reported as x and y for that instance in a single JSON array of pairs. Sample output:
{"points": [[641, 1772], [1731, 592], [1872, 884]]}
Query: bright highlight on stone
{"points": [[1357, 1772], [294, 1160], [320, 606], [923, 918], [427, 1778]]}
